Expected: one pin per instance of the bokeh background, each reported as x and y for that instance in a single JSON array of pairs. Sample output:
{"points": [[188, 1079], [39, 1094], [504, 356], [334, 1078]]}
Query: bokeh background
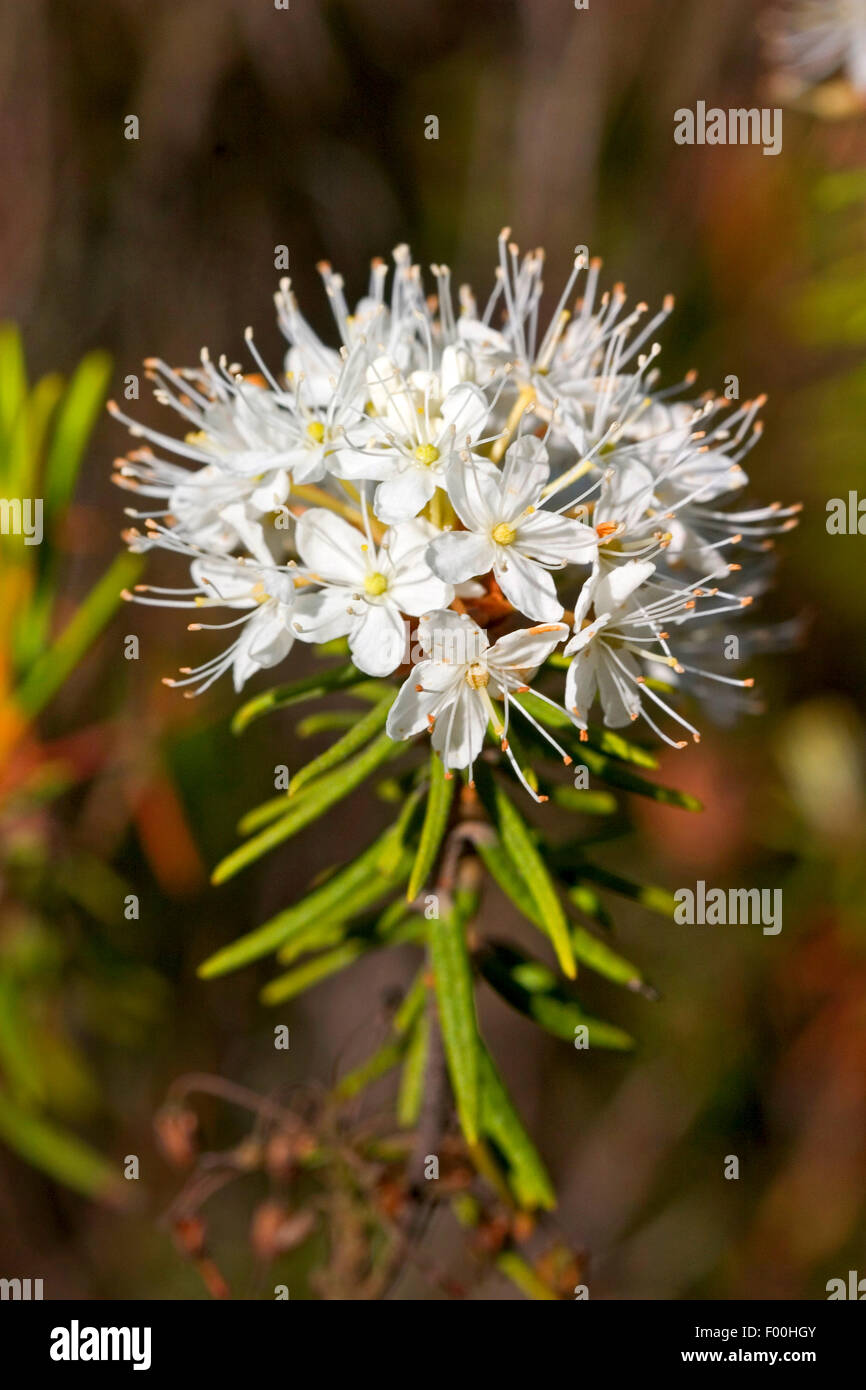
{"points": [[305, 127]]}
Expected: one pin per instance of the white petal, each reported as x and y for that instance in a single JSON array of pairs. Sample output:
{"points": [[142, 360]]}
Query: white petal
{"points": [[580, 685], [379, 640], [403, 495], [458, 734], [524, 474], [322, 616], [474, 489], [457, 366], [625, 494], [409, 712], [460, 555], [263, 643], [584, 635], [407, 541], [616, 586], [250, 532], [391, 396], [556, 539], [377, 463], [621, 706], [466, 408], [526, 649], [271, 492], [528, 586], [451, 638], [330, 547], [231, 583]]}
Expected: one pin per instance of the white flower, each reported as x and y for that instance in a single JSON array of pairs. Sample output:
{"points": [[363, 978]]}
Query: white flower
{"points": [[365, 590], [603, 662], [452, 690], [632, 611], [810, 40], [509, 532], [425, 424], [267, 595]]}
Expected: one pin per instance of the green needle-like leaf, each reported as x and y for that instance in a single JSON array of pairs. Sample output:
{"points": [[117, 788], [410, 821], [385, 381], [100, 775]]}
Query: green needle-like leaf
{"points": [[76, 418], [520, 847], [455, 998], [411, 1093], [574, 870], [312, 972], [500, 1122], [389, 1055], [49, 671], [318, 799], [587, 948], [310, 688], [439, 799], [361, 732], [62, 1156], [533, 989], [617, 776]]}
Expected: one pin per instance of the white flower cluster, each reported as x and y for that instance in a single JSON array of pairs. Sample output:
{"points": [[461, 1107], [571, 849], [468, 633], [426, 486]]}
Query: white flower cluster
{"points": [[811, 40], [445, 475]]}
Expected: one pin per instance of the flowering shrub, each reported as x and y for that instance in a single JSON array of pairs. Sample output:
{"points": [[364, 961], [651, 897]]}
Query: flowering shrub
{"points": [[468, 504]]}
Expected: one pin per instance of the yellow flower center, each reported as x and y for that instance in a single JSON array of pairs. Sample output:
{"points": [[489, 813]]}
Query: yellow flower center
{"points": [[477, 676], [316, 431], [427, 454], [375, 584], [503, 534]]}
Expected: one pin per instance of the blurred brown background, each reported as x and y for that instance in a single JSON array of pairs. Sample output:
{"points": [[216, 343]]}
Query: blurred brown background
{"points": [[305, 127]]}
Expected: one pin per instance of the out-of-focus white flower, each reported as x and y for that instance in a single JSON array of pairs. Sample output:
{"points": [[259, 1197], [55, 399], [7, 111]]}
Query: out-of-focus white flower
{"points": [[809, 41], [365, 590]]}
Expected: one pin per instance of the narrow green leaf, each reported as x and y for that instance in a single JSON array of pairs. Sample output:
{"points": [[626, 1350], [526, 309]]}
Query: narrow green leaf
{"points": [[501, 868], [310, 688], [439, 799], [575, 870], [395, 1048], [455, 998], [311, 973], [346, 894], [586, 803], [325, 721], [389, 1055], [330, 789], [521, 849], [51, 670], [587, 948], [500, 1122], [318, 936], [411, 1094], [61, 1155], [598, 956], [361, 731], [533, 989], [13, 387], [617, 776], [73, 427], [589, 902]]}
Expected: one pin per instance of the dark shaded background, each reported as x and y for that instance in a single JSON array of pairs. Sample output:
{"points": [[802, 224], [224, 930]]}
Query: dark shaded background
{"points": [[261, 127]]}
